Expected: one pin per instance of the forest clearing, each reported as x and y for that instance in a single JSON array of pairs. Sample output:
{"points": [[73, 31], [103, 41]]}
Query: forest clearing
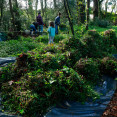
{"points": [[55, 59]]}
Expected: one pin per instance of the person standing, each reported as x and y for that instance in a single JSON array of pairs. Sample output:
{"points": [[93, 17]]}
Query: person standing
{"points": [[40, 22], [51, 31], [57, 22]]}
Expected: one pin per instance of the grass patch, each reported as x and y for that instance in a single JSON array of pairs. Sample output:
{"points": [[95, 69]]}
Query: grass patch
{"points": [[14, 47]]}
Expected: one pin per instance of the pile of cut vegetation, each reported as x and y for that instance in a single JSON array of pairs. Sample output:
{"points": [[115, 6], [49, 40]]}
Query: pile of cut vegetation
{"points": [[44, 77]]}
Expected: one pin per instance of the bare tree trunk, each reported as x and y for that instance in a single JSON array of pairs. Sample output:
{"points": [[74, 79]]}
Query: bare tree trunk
{"points": [[54, 3], [106, 7], [36, 8], [68, 14], [78, 12], [100, 14], [95, 11], [87, 13], [27, 9], [81, 11], [41, 1], [17, 21], [45, 1], [1, 11], [113, 8], [12, 15], [30, 8]]}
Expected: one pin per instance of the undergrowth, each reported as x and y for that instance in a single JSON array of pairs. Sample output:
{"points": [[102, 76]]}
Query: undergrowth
{"points": [[44, 75]]}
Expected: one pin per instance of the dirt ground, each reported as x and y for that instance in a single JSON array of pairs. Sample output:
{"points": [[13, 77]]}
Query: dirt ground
{"points": [[111, 109]]}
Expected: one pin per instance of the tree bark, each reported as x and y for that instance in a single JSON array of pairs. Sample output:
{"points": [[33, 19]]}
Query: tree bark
{"points": [[68, 12], [95, 11], [12, 15], [106, 7], [113, 7], [81, 11], [27, 10], [41, 1], [17, 20], [30, 8], [45, 2], [54, 3], [1, 10], [87, 13], [100, 14], [36, 8]]}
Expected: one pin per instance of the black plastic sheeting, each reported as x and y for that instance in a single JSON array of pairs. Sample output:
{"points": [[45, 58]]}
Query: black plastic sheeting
{"points": [[5, 61], [115, 55], [89, 109], [3, 36]]}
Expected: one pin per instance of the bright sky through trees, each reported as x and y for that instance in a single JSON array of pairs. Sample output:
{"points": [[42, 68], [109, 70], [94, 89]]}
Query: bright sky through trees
{"points": [[24, 3], [50, 4]]}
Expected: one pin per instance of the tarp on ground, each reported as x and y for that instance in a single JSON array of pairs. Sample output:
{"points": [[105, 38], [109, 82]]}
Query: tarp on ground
{"points": [[3, 36], [7, 60]]}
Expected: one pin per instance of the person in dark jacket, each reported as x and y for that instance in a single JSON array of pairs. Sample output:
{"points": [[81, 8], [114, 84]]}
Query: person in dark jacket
{"points": [[36, 24], [57, 22], [33, 27], [40, 22]]}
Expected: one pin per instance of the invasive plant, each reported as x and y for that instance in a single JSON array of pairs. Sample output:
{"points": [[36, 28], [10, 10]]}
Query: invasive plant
{"points": [[108, 66], [93, 33], [47, 75], [110, 37], [89, 69], [100, 23]]}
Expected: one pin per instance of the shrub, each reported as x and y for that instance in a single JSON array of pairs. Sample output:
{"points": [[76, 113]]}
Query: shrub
{"points": [[110, 33], [110, 37], [72, 43], [49, 61], [89, 69], [100, 23], [72, 57], [91, 46], [103, 24], [59, 38], [93, 33], [108, 66], [62, 26], [7, 73], [49, 49], [43, 38]]}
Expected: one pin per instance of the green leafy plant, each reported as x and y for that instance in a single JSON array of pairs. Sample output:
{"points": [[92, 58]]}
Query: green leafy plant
{"points": [[89, 69], [108, 66]]}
